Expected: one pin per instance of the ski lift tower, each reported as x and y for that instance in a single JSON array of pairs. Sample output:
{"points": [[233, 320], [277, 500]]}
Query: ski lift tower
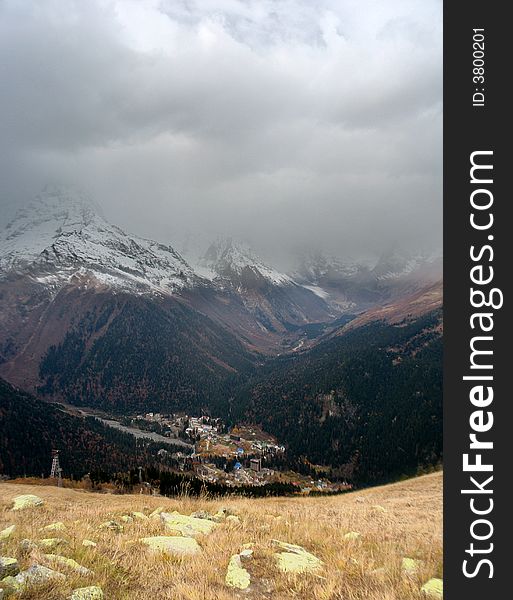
{"points": [[56, 472]]}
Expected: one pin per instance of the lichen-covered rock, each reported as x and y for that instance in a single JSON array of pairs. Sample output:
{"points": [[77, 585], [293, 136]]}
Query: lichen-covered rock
{"points": [[6, 533], [220, 515], [27, 501], [411, 566], [58, 526], [296, 559], [172, 544], [127, 519], [352, 536], [27, 546], [203, 514], [246, 553], [8, 566], [89, 544], [37, 574], [68, 563], [379, 509], [234, 519], [186, 525], [93, 592], [139, 515], [156, 513], [112, 526], [10, 586], [236, 575], [433, 589], [52, 543]]}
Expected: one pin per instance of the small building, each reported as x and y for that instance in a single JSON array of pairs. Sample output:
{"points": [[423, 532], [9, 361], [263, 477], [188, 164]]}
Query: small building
{"points": [[255, 464]]}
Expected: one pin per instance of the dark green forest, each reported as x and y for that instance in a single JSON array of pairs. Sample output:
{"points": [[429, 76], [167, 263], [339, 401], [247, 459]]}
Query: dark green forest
{"points": [[30, 429], [368, 403], [178, 360]]}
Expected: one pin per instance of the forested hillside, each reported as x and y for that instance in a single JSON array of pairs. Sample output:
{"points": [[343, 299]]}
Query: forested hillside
{"points": [[135, 353], [368, 403], [30, 429]]}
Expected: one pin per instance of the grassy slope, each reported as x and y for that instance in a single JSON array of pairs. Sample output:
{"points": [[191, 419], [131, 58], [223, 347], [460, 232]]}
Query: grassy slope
{"points": [[411, 526]]}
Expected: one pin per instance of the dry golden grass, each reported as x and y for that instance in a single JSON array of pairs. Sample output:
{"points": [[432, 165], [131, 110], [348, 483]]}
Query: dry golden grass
{"points": [[410, 526]]}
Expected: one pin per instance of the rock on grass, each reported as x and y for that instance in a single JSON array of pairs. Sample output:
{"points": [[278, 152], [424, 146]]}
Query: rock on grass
{"points": [[433, 589], [93, 592], [236, 575], [170, 544], [296, 559], [27, 501], [68, 563], [186, 525], [6, 533], [8, 566]]}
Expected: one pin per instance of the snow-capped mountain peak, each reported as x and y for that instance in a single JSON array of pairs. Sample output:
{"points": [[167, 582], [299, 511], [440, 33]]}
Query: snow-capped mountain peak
{"points": [[230, 260], [61, 234]]}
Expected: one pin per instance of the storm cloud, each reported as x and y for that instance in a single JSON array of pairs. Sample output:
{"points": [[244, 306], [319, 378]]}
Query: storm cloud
{"points": [[289, 123]]}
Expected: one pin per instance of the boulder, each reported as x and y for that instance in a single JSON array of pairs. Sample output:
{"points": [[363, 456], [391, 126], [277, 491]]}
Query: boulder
{"points": [[236, 575], [234, 519], [112, 525], [89, 544], [139, 515], [433, 589], [296, 559], [8, 566], [220, 515], [246, 553], [68, 563], [202, 514], [6, 533], [156, 513], [171, 544], [58, 526], [411, 566], [10, 586], [52, 543], [186, 525], [27, 546], [36, 575], [27, 501], [127, 519], [93, 592]]}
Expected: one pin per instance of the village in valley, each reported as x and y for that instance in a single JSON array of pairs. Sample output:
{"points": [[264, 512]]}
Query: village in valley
{"points": [[233, 456]]}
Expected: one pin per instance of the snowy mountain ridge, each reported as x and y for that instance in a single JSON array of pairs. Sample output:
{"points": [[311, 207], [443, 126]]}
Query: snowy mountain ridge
{"points": [[228, 259], [61, 234]]}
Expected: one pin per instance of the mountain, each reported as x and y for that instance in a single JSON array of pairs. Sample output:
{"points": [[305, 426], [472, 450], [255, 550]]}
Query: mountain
{"points": [[236, 264], [356, 286], [274, 302], [61, 235], [94, 315]]}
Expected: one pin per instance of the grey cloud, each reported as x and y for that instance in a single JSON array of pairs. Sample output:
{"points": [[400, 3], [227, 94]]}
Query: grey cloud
{"points": [[288, 122]]}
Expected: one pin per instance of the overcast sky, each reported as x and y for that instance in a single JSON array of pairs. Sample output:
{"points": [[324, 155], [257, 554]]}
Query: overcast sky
{"points": [[287, 122]]}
